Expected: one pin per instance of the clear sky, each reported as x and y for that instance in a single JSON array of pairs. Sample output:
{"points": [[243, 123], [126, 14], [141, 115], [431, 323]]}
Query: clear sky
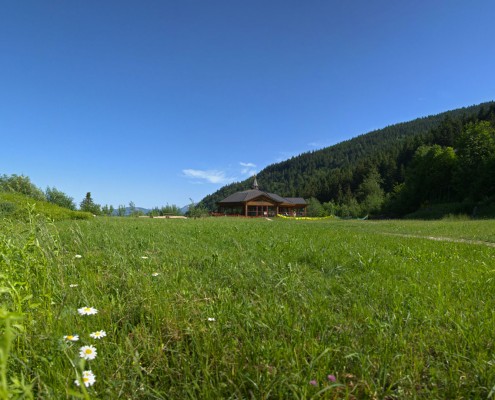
{"points": [[161, 101]]}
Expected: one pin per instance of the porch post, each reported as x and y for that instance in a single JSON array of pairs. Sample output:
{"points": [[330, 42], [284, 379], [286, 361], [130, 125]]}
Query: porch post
{"points": [[245, 209]]}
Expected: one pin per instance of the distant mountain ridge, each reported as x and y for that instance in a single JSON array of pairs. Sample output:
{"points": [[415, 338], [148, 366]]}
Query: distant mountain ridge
{"points": [[128, 211], [337, 171], [146, 211], [185, 209]]}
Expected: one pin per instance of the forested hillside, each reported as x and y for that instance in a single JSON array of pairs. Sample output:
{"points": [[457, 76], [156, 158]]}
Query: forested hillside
{"points": [[445, 158]]}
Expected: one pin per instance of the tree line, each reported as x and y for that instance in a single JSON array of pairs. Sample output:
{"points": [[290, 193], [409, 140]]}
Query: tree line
{"points": [[22, 184], [440, 164], [444, 161]]}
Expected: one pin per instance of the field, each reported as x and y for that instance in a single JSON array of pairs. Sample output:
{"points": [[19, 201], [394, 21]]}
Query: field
{"points": [[248, 309]]}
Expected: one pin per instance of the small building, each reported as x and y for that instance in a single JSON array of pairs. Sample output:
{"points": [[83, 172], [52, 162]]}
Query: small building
{"points": [[257, 203]]}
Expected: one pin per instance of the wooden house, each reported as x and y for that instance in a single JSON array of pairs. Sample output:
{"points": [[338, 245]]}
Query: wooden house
{"points": [[257, 203]]}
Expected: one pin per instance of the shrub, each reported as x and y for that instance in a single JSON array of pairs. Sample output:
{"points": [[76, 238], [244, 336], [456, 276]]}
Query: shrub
{"points": [[59, 198], [7, 207], [20, 184]]}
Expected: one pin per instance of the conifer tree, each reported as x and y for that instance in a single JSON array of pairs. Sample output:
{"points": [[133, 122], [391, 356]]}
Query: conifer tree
{"points": [[89, 205]]}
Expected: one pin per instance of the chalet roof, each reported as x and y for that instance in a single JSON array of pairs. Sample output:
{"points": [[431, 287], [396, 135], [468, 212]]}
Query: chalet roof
{"points": [[247, 195], [296, 200], [254, 193], [241, 197]]}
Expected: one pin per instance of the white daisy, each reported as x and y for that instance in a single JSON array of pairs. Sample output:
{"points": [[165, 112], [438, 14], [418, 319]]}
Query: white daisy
{"points": [[88, 379], [87, 310], [71, 338], [78, 256], [98, 334], [73, 285], [155, 274], [144, 257], [87, 352], [211, 319]]}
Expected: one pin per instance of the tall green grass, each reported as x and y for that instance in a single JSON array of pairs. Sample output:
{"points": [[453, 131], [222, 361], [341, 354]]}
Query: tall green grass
{"points": [[236, 308], [19, 207]]}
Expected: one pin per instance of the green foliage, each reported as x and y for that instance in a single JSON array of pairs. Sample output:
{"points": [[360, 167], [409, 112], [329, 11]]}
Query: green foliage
{"points": [[315, 209], [121, 209], [107, 210], [370, 194], [437, 159], [132, 210], [59, 198], [197, 211], [12, 330], [476, 153], [19, 207], [165, 210], [20, 184], [88, 205], [24, 287], [349, 208], [438, 175], [429, 177], [330, 208], [7, 207]]}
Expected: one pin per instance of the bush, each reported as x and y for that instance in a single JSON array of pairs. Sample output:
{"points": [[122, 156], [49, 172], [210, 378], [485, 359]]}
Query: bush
{"points": [[196, 211], [7, 207], [59, 198], [315, 209], [20, 184]]}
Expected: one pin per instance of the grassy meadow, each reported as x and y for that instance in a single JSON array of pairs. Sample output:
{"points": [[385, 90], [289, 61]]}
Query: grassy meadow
{"points": [[225, 308], [21, 208]]}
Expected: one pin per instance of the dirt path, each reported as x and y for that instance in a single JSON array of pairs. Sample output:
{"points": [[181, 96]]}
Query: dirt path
{"points": [[443, 239]]}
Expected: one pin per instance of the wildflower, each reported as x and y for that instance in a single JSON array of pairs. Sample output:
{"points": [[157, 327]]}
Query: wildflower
{"points": [[88, 379], [78, 256], [313, 383], [73, 285], [211, 319], [71, 338], [144, 257], [98, 334], [331, 378], [87, 352], [87, 311], [155, 274]]}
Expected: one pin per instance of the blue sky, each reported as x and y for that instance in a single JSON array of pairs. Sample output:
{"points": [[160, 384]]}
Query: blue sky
{"points": [[158, 102]]}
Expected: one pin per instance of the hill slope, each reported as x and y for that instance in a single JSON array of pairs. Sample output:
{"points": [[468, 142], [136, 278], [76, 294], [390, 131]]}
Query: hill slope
{"points": [[18, 206], [336, 172]]}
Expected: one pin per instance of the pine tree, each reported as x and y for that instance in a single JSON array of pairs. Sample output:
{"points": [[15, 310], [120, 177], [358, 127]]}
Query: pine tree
{"points": [[88, 205]]}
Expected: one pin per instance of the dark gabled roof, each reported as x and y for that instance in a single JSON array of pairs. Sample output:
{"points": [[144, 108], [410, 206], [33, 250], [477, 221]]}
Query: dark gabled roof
{"points": [[246, 195], [241, 197], [277, 198], [296, 200]]}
